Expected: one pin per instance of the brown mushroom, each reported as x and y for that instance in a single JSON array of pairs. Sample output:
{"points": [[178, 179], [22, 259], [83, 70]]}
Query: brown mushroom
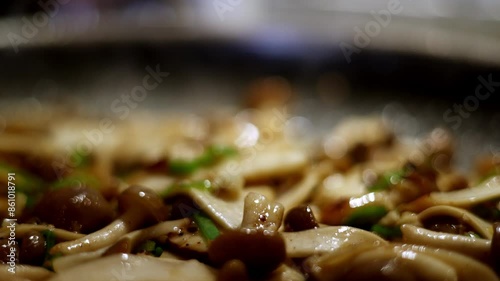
{"points": [[260, 251], [32, 248], [300, 218], [139, 206], [80, 208]]}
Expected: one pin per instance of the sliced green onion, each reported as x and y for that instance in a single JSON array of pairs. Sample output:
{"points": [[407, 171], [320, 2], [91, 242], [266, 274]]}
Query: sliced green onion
{"points": [[207, 227], [81, 179], [83, 159], [203, 185], [386, 180], [183, 167], [218, 151], [387, 232], [211, 155], [158, 251], [366, 216], [50, 241], [148, 246], [30, 201]]}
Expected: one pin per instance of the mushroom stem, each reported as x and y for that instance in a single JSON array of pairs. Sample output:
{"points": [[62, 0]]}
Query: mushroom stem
{"points": [[133, 238], [101, 238], [162, 228]]}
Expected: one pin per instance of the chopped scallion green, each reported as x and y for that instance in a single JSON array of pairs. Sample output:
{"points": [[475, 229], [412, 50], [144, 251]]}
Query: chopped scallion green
{"points": [[75, 180], [387, 232], [158, 251], [366, 216], [148, 246], [207, 227], [386, 180], [211, 155], [204, 185], [50, 241], [81, 158]]}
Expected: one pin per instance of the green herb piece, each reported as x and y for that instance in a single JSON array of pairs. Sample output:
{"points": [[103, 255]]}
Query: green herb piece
{"points": [[30, 200], [50, 241], [207, 227], [158, 251], [387, 232], [217, 151], [366, 216], [76, 180], [386, 180], [203, 185], [148, 246], [183, 167], [211, 155], [81, 158]]}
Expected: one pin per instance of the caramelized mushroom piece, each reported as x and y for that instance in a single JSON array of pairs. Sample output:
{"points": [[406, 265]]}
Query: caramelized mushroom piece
{"points": [[32, 248], [300, 218], [81, 209], [260, 251], [140, 207]]}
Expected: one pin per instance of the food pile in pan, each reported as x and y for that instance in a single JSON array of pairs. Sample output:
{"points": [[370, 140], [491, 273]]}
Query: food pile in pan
{"points": [[240, 194]]}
